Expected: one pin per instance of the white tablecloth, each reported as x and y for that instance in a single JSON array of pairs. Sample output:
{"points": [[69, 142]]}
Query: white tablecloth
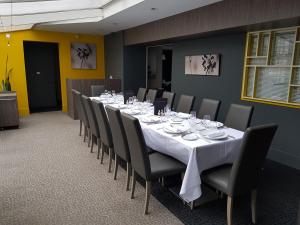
{"points": [[198, 155]]}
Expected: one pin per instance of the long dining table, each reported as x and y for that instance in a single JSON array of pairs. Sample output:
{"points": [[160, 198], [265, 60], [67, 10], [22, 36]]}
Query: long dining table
{"points": [[199, 154]]}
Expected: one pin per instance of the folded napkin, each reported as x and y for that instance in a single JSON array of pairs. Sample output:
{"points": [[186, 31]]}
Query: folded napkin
{"points": [[215, 134], [173, 129]]}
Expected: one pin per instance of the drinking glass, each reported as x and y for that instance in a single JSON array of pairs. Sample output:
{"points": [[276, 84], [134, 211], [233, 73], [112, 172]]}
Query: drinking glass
{"points": [[167, 111], [193, 115], [206, 120], [105, 92], [113, 92]]}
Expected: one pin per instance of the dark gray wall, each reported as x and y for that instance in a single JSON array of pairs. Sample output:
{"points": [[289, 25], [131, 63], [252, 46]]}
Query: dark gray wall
{"points": [[113, 45], [227, 87], [134, 67]]}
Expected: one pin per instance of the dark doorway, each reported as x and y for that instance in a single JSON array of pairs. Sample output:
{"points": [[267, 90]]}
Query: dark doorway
{"points": [[159, 67], [43, 76], [167, 69]]}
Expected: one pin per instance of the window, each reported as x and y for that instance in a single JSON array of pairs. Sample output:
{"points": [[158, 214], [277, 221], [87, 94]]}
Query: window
{"points": [[272, 67]]}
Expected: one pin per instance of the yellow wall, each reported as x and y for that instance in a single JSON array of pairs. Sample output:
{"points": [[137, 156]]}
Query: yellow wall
{"points": [[16, 61]]}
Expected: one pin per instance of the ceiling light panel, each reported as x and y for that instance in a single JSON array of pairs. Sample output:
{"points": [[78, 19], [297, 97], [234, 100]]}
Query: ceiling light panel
{"points": [[36, 7], [50, 17]]}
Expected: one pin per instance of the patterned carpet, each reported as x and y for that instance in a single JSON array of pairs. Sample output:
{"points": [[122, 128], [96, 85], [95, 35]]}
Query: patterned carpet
{"points": [[48, 176]]}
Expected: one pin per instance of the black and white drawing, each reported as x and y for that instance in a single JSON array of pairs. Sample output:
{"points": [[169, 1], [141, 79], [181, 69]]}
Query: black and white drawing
{"points": [[207, 64], [83, 55]]}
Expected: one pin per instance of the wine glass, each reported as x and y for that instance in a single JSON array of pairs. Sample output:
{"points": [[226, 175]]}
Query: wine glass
{"points": [[105, 91]]}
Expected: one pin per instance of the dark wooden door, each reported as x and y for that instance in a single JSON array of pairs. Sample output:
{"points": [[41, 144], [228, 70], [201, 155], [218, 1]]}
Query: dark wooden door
{"points": [[43, 77]]}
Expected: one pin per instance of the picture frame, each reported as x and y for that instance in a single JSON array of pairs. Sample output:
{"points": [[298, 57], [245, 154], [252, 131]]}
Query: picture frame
{"points": [[203, 65]]}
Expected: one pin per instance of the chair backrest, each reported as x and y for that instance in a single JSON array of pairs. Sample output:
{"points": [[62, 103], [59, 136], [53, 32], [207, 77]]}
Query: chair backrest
{"points": [[170, 96], [91, 116], [151, 95], [76, 96], [209, 107], [141, 94], [185, 103], [247, 168], [118, 133], [97, 90], [85, 119], [103, 124], [239, 117], [137, 146]]}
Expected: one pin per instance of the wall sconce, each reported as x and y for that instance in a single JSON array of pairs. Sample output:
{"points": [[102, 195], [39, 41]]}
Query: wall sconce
{"points": [[8, 39]]}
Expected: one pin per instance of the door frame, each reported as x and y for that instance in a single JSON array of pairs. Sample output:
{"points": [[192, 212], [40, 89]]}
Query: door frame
{"points": [[147, 49]]}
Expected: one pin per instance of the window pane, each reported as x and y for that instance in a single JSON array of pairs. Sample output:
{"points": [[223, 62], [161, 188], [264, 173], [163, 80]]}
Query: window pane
{"points": [[273, 83]]}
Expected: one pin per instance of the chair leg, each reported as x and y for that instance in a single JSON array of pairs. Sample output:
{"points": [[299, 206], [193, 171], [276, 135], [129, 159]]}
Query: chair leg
{"points": [[192, 204], [89, 136], [84, 135], [128, 176], [99, 147], [102, 153], [110, 159], [229, 210], [92, 145], [253, 205], [116, 167], [148, 193], [80, 127], [133, 184]]}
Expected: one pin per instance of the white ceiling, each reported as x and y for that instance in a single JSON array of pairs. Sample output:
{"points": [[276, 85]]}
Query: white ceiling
{"points": [[89, 16]]}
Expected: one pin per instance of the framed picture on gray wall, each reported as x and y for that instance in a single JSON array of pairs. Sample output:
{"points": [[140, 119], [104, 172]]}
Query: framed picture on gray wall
{"points": [[83, 56], [205, 65]]}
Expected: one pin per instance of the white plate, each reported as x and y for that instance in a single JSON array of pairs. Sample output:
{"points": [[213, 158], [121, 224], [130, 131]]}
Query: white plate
{"points": [[190, 137], [224, 136], [132, 112], [151, 119], [175, 129], [183, 115], [176, 120], [200, 127]]}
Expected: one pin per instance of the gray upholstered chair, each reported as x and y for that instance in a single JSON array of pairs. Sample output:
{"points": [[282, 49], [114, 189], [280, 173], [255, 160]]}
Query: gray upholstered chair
{"points": [[83, 116], [239, 116], [87, 130], [243, 176], [97, 90], [170, 96], [151, 95], [149, 167], [185, 103], [119, 141], [298, 223], [141, 95], [105, 131], [209, 107], [77, 106], [94, 129]]}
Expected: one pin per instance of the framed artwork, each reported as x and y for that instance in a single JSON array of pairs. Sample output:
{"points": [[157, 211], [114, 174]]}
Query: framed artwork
{"points": [[205, 65], [83, 56]]}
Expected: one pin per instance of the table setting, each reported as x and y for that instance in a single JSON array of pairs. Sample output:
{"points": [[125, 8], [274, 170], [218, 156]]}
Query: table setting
{"points": [[198, 142]]}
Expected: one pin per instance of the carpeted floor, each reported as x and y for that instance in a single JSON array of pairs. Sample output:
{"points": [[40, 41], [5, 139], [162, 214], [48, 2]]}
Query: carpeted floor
{"points": [[48, 176]]}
